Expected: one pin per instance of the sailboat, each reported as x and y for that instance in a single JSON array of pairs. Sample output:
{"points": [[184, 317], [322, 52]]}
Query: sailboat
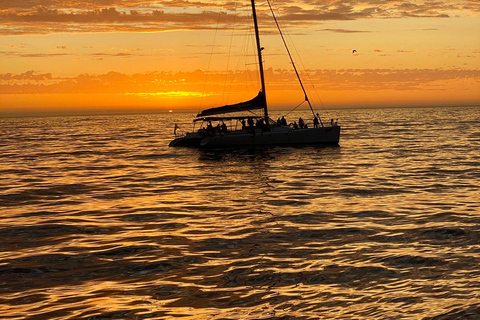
{"points": [[258, 130]]}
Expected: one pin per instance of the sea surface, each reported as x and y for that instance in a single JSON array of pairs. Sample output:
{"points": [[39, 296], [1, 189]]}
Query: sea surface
{"points": [[100, 219]]}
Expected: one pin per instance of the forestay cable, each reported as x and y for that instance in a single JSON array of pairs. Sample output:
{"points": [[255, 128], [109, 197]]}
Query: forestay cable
{"points": [[291, 59]]}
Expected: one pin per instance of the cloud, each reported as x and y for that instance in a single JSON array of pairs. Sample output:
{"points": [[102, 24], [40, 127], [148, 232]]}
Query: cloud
{"points": [[77, 4], [316, 10], [32, 82], [14, 46], [27, 17], [344, 31], [65, 51], [30, 55], [29, 75], [427, 9], [121, 54], [44, 20]]}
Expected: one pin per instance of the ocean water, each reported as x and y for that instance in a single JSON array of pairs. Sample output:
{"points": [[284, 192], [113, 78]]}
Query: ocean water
{"points": [[100, 219]]}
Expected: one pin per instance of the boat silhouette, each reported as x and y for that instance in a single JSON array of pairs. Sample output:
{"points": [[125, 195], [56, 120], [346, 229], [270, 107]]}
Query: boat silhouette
{"points": [[250, 131]]}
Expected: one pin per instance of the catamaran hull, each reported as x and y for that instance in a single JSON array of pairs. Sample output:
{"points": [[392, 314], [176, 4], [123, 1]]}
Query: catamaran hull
{"points": [[276, 137], [190, 140]]}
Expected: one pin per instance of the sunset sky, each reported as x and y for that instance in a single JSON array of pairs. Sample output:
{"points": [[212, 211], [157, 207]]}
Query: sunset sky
{"points": [[137, 55]]}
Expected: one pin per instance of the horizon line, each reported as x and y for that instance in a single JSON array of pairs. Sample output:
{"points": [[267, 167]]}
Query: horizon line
{"points": [[102, 111]]}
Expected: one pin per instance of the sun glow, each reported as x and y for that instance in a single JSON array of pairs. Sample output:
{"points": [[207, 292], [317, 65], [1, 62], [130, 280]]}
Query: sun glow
{"points": [[171, 94], [107, 58]]}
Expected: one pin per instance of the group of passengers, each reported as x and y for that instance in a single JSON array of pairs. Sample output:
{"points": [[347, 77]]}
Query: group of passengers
{"points": [[250, 124], [301, 123], [219, 128]]}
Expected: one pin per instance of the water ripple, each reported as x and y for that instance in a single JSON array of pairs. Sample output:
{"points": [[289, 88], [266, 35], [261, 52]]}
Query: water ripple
{"points": [[101, 220]]}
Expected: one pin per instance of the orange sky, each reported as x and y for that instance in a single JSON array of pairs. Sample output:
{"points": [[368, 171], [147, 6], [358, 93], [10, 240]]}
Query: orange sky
{"points": [[137, 54]]}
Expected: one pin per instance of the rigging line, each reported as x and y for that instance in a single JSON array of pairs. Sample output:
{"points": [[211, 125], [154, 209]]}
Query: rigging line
{"points": [[291, 59], [209, 62], [286, 114], [243, 50], [240, 53], [229, 55], [249, 39], [244, 57], [309, 78], [260, 59], [299, 57]]}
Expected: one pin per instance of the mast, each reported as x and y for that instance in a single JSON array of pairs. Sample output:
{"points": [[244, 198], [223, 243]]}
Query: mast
{"points": [[260, 61], [291, 59]]}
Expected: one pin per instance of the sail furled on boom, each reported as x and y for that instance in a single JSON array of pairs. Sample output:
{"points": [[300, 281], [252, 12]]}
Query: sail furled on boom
{"points": [[259, 102]]}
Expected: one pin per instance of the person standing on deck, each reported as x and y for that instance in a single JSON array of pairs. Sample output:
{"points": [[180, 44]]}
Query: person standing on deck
{"points": [[301, 123], [318, 116]]}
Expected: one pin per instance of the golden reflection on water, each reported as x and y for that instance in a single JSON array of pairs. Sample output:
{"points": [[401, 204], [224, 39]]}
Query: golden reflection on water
{"points": [[102, 220]]}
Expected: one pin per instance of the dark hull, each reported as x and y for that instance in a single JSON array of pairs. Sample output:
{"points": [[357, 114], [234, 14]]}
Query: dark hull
{"points": [[277, 136], [190, 140]]}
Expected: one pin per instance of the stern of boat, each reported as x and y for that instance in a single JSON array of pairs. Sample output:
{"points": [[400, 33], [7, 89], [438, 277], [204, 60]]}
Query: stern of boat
{"points": [[189, 140]]}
